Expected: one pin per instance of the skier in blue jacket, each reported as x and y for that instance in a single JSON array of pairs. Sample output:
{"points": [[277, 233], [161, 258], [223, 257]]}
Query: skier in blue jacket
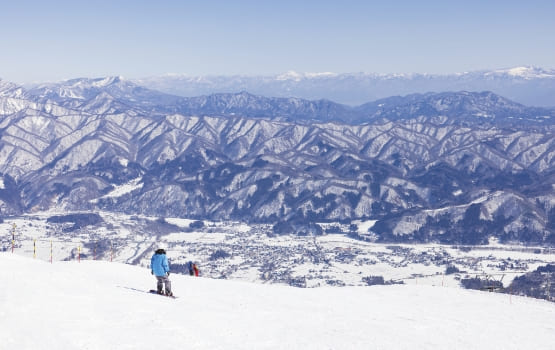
{"points": [[160, 268]]}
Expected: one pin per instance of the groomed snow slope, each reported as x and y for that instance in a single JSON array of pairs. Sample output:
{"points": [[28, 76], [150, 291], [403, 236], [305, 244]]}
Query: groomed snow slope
{"points": [[101, 305]]}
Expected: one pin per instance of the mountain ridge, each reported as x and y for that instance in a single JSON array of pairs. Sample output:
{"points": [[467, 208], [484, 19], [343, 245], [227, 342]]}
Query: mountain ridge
{"points": [[470, 104], [419, 169]]}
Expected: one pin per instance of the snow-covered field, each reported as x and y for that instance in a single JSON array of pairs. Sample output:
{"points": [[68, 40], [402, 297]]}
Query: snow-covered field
{"points": [[102, 305], [250, 253]]}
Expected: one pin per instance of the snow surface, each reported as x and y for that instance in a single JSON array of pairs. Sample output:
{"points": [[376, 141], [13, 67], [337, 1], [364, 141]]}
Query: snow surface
{"points": [[103, 305], [121, 190]]}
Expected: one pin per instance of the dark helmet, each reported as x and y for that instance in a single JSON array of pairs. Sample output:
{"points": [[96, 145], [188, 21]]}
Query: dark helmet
{"points": [[160, 251]]}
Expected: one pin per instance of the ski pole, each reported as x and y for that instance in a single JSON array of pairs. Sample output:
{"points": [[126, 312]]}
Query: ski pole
{"points": [[34, 248], [51, 251]]}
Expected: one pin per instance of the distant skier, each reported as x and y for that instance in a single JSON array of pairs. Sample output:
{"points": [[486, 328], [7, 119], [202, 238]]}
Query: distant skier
{"points": [[160, 268], [196, 270], [190, 267]]}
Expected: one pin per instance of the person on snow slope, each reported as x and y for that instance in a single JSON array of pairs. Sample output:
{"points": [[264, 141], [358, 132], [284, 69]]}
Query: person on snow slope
{"points": [[160, 268]]}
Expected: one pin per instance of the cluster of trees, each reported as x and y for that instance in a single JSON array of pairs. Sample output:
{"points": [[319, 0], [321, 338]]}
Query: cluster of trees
{"points": [[538, 284], [79, 220], [378, 281], [219, 254], [481, 284], [297, 227]]}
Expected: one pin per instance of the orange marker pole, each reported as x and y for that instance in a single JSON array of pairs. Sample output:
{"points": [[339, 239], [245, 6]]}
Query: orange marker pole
{"points": [[79, 253]]}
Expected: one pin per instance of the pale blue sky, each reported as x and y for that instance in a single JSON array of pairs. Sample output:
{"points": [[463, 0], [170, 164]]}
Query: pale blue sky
{"points": [[54, 40]]}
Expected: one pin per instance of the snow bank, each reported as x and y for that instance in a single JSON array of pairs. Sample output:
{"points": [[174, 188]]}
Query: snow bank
{"points": [[102, 305]]}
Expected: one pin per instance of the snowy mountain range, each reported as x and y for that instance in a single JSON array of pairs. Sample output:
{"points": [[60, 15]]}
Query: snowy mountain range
{"points": [[114, 94], [527, 85], [455, 167]]}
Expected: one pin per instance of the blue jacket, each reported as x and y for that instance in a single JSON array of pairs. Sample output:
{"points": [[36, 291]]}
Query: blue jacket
{"points": [[159, 264]]}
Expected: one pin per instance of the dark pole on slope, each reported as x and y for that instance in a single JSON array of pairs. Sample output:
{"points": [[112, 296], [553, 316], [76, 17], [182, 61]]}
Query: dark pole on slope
{"points": [[13, 236]]}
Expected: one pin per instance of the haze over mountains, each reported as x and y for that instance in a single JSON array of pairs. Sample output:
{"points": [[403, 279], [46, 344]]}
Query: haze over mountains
{"points": [[528, 85], [454, 167]]}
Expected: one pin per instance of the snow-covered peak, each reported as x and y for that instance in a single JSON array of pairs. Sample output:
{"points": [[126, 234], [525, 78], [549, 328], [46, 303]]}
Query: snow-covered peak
{"points": [[295, 76], [523, 72], [83, 84], [290, 75], [8, 89], [5, 86], [84, 89], [103, 82]]}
